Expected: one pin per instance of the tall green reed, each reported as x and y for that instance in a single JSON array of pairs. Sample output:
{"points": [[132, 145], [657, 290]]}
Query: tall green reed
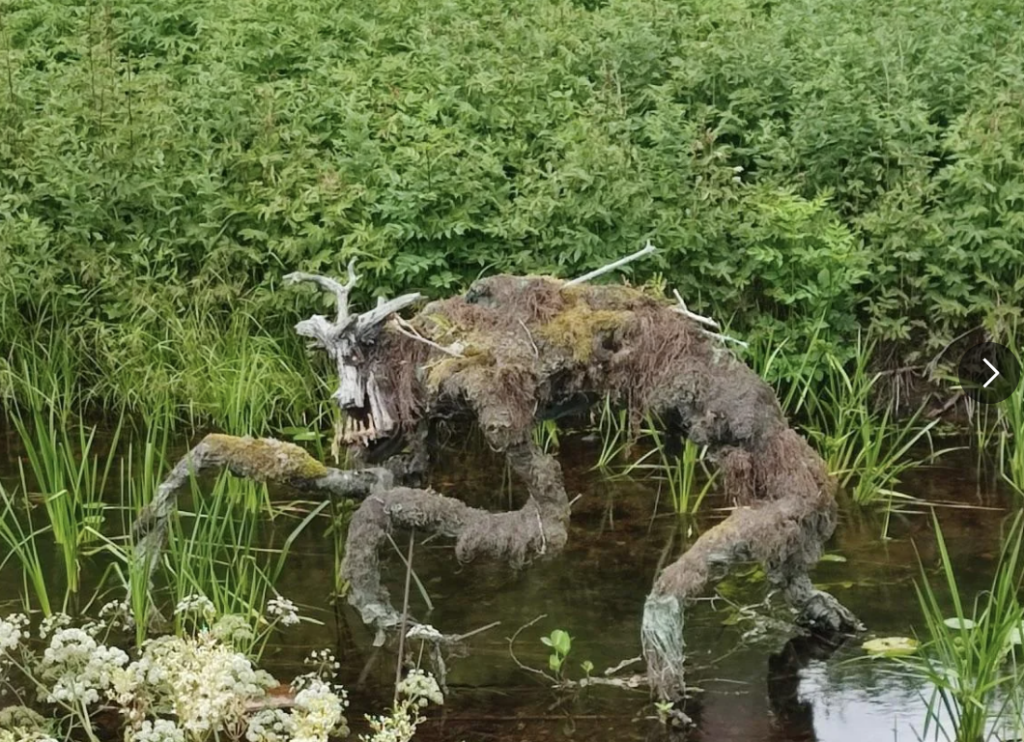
{"points": [[139, 476], [21, 540], [222, 548], [205, 366], [968, 657], [613, 430], [793, 375], [683, 472], [546, 435], [1010, 426], [67, 477], [868, 449]]}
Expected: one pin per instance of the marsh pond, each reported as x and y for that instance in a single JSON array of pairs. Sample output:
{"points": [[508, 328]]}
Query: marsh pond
{"points": [[750, 678]]}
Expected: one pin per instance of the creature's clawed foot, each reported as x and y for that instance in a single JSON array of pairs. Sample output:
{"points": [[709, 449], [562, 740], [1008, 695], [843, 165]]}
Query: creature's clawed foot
{"points": [[821, 613]]}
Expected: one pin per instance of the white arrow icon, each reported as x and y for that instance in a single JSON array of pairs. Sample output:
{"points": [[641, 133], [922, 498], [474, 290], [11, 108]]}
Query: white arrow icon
{"points": [[995, 373]]}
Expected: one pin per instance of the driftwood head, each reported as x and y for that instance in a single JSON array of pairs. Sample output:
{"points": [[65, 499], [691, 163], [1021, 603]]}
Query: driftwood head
{"points": [[345, 340]]}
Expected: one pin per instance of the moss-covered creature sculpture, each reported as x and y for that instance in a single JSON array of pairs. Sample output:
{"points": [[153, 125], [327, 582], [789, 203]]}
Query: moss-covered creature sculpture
{"points": [[508, 350]]}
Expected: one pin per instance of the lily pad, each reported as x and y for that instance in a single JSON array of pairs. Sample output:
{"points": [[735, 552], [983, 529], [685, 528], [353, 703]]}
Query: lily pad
{"points": [[890, 646], [959, 623]]}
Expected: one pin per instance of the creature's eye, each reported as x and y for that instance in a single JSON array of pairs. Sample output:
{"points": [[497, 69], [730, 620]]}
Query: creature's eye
{"points": [[476, 292]]}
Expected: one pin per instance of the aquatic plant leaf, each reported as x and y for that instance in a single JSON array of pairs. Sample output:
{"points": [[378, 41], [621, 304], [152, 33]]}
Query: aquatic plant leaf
{"points": [[890, 646], [832, 558], [560, 642], [732, 619], [959, 623]]}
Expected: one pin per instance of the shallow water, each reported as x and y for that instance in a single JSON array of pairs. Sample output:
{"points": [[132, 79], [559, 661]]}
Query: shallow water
{"points": [[762, 689]]}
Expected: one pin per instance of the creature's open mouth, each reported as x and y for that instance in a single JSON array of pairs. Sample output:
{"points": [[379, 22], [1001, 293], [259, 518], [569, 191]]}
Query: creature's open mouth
{"points": [[358, 427]]}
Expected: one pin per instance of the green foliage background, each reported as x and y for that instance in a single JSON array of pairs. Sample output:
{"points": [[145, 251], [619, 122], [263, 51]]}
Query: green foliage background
{"points": [[809, 167]]}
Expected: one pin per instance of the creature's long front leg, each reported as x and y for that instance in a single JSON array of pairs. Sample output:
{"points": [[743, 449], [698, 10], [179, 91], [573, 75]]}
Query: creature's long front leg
{"points": [[535, 530], [259, 459]]}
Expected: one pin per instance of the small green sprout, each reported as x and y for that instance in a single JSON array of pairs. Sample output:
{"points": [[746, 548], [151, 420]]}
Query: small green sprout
{"points": [[560, 643]]}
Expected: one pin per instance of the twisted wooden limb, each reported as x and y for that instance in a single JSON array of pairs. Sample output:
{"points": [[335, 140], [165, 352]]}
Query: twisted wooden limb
{"points": [[793, 514], [262, 460], [537, 529]]}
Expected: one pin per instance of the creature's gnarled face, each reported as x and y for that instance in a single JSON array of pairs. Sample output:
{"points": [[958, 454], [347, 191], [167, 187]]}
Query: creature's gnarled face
{"points": [[359, 395]]}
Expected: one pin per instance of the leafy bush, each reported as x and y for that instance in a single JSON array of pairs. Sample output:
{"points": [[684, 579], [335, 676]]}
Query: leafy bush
{"points": [[853, 161]]}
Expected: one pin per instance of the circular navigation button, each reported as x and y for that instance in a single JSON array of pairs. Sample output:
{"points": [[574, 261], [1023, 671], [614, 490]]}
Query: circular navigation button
{"points": [[989, 373]]}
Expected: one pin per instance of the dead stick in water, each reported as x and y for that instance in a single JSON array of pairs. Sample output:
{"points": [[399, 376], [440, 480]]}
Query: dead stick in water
{"points": [[419, 583], [405, 615]]}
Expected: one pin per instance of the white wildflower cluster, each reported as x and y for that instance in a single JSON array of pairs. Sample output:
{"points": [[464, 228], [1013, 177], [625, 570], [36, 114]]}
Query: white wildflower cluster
{"points": [[400, 726], [323, 662], [76, 670], [22, 724], [421, 688], [283, 610], [205, 683], [180, 688], [118, 615], [196, 605], [21, 734], [233, 630], [319, 713], [271, 725], [159, 730], [418, 689], [12, 631], [53, 622]]}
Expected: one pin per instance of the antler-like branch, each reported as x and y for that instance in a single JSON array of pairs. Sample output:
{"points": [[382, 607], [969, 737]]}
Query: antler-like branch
{"points": [[339, 290], [382, 311]]}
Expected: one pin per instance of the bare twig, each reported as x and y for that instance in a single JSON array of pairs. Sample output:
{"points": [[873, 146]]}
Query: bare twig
{"points": [[681, 309], [419, 584], [409, 331], [474, 632], [512, 654], [536, 353], [622, 665], [633, 682], [707, 321], [649, 249], [950, 403], [405, 614], [725, 338]]}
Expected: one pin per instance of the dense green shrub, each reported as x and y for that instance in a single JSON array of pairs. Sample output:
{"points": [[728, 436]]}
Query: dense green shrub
{"points": [[859, 162]]}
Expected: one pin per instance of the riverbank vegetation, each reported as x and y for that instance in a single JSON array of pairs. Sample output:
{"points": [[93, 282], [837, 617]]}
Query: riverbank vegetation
{"points": [[809, 170]]}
